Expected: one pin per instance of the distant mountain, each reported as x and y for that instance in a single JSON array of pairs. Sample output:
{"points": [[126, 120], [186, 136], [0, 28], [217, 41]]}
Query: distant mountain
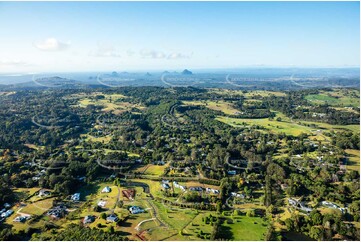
{"points": [[186, 72], [148, 74], [165, 72], [114, 73]]}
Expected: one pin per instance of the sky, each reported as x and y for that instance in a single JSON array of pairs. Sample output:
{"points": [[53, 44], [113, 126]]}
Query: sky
{"points": [[123, 36]]}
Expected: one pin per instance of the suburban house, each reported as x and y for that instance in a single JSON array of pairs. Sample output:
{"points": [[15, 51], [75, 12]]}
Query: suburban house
{"points": [[165, 186], [57, 212], [89, 219], [20, 219], [175, 184], [232, 172], [112, 218], [106, 189], [43, 193], [102, 203], [75, 197], [198, 189], [135, 210], [129, 193]]}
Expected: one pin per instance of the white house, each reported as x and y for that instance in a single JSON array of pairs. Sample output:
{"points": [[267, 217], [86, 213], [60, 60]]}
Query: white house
{"points": [[102, 203], [75, 197], [106, 189], [136, 210]]}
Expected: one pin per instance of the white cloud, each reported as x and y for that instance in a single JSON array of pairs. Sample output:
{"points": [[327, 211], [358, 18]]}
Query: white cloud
{"points": [[175, 56], [52, 44], [161, 55], [130, 53], [8, 63], [152, 54], [105, 51]]}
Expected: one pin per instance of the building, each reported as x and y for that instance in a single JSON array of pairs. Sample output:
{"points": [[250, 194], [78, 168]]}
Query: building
{"points": [[43, 193], [292, 202], [165, 186], [106, 189], [75, 197], [129, 193], [135, 210], [57, 212], [102, 203], [232, 172], [20, 219], [112, 218], [89, 219]]}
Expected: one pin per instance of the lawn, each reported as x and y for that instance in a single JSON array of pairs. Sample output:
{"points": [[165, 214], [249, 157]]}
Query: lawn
{"points": [[39, 207], [246, 228], [110, 103], [176, 217], [222, 106], [271, 125], [354, 159], [285, 125], [152, 170], [340, 98]]}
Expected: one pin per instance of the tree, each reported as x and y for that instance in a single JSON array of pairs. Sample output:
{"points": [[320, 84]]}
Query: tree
{"points": [[251, 213], [316, 217], [316, 233]]}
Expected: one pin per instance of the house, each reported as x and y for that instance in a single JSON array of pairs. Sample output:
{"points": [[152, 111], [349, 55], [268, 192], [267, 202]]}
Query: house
{"points": [[232, 172], [135, 210], [176, 185], [7, 213], [165, 186], [89, 219], [129, 193], [57, 212], [198, 189], [106, 189], [20, 219], [102, 203], [112, 218], [43, 193], [75, 197], [292, 202], [304, 208]]}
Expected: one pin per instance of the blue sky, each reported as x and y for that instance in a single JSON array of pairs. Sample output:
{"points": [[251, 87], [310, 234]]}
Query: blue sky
{"points": [[93, 36]]}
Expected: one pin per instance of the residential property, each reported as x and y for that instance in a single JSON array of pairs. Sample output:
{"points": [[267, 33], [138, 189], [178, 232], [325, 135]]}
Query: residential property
{"points": [[112, 218], [102, 203], [106, 189], [176, 185], [88, 219], [57, 212], [129, 193], [165, 186], [20, 219], [198, 189], [232, 172], [211, 190], [44, 193], [75, 197], [135, 210], [7, 213]]}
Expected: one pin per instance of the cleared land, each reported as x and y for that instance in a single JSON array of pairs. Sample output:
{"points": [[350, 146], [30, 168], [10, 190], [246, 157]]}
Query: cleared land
{"points": [[222, 106]]}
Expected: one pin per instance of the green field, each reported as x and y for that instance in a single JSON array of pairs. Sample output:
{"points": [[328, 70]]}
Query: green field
{"points": [[222, 106], [341, 98], [287, 126], [270, 125], [354, 159], [246, 228]]}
